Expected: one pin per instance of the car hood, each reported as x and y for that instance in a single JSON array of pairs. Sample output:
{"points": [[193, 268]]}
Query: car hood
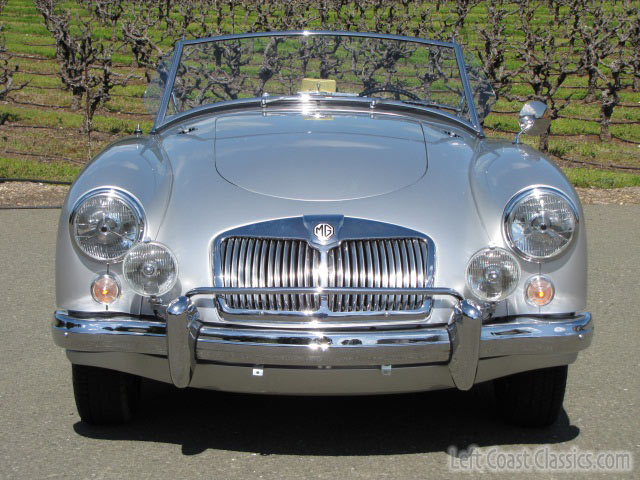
{"points": [[319, 157]]}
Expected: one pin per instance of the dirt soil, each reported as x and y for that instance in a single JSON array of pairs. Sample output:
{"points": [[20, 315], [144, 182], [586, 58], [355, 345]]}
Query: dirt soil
{"points": [[615, 196], [16, 194]]}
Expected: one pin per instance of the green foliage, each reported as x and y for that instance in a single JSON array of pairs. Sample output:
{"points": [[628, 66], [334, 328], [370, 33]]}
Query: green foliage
{"points": [[63, 119], [587, 177], [15, 168]]}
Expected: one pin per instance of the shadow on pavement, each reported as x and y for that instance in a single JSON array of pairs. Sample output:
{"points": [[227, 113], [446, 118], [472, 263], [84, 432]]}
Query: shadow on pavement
{"points": [[382, 425]]}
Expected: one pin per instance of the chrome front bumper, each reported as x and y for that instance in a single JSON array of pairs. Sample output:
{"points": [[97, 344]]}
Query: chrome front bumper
{"points": [[471, 349]]}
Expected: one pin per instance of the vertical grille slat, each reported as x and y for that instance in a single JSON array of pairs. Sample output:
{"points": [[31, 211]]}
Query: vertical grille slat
{"points": [[255, 299], [271, 299], [346, 277], [420, 260], [307, 276], [331, 267], [262, 272], [354, 274], [227, 265], [391, 258], [339, 279], [285, 274], [384, 276], [371, 263], [234, 268], [247, 270], [241, 263], [368, 280], [300, 272], [295, 304]]}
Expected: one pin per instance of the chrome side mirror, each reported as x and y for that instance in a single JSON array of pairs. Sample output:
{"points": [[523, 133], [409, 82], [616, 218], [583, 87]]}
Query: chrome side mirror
{"points": [[534, 119]]}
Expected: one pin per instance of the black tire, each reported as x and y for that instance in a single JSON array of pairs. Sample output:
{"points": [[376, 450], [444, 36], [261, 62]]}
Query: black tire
{"points": [[531, 399], [105, 397]]}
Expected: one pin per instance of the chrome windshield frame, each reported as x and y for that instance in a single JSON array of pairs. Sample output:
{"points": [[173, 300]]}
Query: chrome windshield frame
{"points": [[161, 119]]}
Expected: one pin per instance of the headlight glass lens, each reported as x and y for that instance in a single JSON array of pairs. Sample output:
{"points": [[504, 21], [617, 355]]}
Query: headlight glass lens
{"points": [[106, 224], [150, 269], [493, 274], [540, 224]]}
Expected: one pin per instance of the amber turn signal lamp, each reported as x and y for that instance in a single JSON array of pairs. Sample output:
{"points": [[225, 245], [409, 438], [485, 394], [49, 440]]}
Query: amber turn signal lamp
{"points": [[105, 289], [539, 291]]}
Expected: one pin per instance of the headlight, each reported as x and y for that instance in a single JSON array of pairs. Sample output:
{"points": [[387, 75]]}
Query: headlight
{"points": [[493, 274], [150, 269], [106, 223], [539, 224]]}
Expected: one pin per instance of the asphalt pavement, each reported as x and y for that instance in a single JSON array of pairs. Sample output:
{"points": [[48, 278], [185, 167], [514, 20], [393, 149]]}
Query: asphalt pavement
{"points": [[200, 434]]}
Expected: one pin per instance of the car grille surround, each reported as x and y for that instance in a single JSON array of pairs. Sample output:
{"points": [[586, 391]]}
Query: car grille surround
{"points": [[249, 262]]}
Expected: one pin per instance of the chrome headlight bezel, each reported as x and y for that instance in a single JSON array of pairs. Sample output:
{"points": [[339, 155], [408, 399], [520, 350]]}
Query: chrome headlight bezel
{"points": [[128, 200], [516, 200]]}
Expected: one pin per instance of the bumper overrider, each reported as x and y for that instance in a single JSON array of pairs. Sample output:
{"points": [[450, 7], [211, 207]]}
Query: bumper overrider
{"points": [[185, 351]]}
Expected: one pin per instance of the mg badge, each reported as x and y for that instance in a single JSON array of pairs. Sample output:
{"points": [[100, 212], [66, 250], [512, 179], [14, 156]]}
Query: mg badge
{"points": [[323, 231]]}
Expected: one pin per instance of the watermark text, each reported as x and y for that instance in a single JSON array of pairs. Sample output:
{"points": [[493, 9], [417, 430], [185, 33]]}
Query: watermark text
{"points": [[540, 459]]}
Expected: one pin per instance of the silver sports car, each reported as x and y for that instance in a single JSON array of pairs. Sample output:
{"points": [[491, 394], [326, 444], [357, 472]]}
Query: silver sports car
{"points": [[319, 213]]}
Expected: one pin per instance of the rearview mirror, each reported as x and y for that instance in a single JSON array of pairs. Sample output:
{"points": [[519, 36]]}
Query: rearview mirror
{"points": [[534, 119]]}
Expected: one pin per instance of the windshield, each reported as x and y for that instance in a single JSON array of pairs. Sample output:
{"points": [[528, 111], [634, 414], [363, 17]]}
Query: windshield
{"points": [[341, 65]]}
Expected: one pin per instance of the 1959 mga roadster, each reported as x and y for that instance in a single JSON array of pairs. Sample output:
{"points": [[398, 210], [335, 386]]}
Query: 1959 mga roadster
{"points": [[319, 213]]}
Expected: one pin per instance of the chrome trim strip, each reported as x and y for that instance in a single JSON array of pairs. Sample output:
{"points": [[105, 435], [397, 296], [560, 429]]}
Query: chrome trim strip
{"points": [[390, 107], [222, 291]]}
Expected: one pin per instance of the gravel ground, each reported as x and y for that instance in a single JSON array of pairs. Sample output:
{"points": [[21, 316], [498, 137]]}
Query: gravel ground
{"points": [[616, 196], [16, 194]]}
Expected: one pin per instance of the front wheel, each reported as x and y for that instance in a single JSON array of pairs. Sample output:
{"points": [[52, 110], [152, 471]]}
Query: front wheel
{"points": [[105, 397], [531, 399]]}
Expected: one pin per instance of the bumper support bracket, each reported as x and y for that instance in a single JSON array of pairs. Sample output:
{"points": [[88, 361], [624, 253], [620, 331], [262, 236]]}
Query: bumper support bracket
{"points": [[183, 325]]}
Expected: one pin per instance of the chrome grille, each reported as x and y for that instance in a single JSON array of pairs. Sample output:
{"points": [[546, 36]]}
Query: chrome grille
{"points": [[380, 263], [264, 262]]}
